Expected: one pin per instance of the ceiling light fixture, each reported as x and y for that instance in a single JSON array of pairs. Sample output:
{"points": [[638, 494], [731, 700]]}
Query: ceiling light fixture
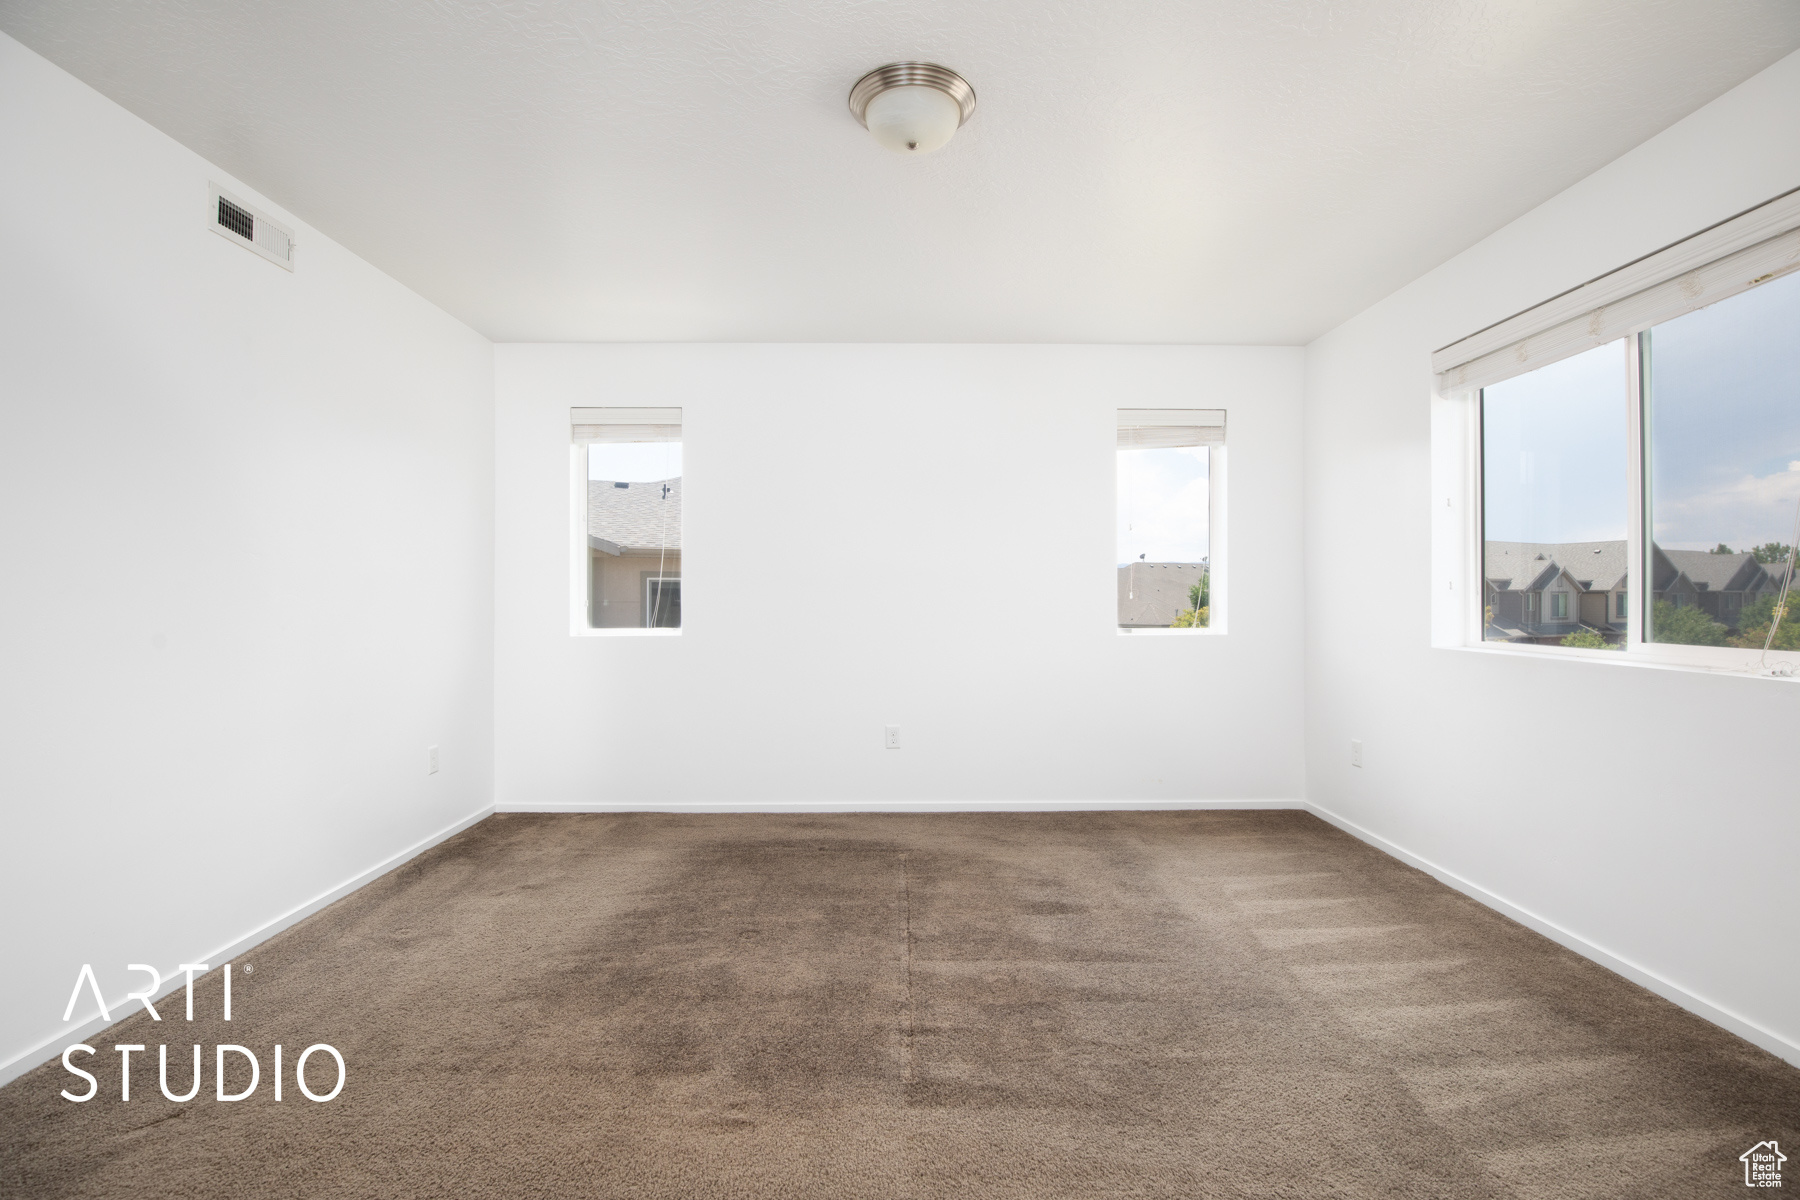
{"points": [[912, 107]]}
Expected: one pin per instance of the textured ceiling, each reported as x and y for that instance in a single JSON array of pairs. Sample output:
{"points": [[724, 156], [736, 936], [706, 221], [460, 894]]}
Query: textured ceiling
{"points": [[1137, 171]]}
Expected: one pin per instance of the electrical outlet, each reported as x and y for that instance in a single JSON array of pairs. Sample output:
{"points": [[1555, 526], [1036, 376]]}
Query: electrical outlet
{"points": [[893, 737], [1355, 752], [431, 760]]}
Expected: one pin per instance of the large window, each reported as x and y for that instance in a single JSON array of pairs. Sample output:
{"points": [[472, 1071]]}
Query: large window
{"points": [[1169, 466], [1639, 461], [628, 517]]}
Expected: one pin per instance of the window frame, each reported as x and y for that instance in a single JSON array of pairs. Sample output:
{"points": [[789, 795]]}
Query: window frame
{"points": [[579, 566], [1458, 454], [1218, 603]]}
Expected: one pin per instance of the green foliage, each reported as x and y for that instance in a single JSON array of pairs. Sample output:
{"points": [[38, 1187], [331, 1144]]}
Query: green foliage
{"points": [[1585, 639], [1192, 618], [1760, 611], [1199, 601], [1200, 595], [1771, 552], [1755, 620], [1721, 548], [1685, 626]]}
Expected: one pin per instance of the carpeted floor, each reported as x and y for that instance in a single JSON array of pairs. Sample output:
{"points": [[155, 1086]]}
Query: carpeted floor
{"points": [[1175, 1004]]}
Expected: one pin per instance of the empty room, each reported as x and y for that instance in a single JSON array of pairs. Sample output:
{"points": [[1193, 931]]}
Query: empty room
{"points": [[1231, 633]]}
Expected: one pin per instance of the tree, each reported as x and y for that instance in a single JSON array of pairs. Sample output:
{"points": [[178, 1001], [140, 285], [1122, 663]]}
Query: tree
{"points": [[1759, 611], [1191, 618], [1755, 620], [1199, 602], [1199, 596], [1771, 552], [1721, 548], [1585, 639], [1685, 626]]}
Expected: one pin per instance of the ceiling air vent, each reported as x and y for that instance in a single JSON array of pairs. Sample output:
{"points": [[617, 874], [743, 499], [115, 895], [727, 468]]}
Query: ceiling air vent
{"points": [[231, 218]]}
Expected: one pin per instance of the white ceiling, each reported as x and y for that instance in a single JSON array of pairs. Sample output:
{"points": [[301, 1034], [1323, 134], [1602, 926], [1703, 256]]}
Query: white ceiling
{"points": [[1137, 171]]}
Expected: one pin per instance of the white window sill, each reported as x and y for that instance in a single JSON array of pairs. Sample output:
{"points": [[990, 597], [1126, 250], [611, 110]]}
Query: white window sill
{"points": [[1703, 660], [1157, 631], [628, 632]]}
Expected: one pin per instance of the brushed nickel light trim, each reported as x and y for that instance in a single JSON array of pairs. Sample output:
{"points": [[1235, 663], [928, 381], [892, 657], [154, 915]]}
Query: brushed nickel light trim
{"points": [[909, 74]]}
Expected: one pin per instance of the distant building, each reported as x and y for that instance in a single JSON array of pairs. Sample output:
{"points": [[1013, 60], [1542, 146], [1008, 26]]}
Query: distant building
{"points": [[1152, 595], [634, 554], [1541, 592], [1719, 584]]}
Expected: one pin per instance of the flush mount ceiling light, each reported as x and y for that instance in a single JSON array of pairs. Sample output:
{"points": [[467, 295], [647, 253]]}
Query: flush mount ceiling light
{"points": [[912, 107]]}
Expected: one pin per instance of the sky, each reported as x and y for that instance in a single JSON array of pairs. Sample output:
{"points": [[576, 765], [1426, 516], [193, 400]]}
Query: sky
{"points": [[1163, 499], [1725, 421], [634, 462], [1553, 446], [1724, 390]]}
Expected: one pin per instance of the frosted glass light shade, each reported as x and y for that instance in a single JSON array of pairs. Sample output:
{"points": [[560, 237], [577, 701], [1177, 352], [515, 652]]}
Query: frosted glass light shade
{"points": [[912, 107], [913, 119]]}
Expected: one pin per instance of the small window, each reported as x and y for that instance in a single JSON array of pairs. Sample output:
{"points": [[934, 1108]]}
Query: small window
{"points": [[662, 601], [630, 516], [1621, 609], [1559, 606], [1169, 463]]}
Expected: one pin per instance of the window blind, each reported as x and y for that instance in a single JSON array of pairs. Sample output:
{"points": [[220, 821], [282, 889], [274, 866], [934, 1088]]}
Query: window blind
{"points": [[624, 425], [1153, 428], [1712, 265]]}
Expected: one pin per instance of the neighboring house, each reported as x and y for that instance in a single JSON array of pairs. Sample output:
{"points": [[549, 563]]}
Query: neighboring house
{"points": [[1152, 595], [1541, 592], [634, 554], [1719, 584]]}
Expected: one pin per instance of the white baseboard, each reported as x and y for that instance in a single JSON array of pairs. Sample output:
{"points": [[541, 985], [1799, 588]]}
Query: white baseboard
{"points": [[1705, 1009], [51, 1047], [851, 806]]}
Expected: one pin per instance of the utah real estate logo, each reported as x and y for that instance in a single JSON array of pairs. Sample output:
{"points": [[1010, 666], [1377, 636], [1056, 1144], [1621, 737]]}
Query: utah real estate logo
{"points": [[1762, 1165]]}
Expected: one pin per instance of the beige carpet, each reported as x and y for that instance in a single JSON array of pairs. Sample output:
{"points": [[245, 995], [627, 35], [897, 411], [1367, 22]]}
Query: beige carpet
{"points": [[889, 1006]]}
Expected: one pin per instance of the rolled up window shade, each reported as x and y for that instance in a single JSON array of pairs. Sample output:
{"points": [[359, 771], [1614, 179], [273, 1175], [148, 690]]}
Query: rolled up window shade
{"points": [[1153, 428], [624, 425], [1715, 264]]}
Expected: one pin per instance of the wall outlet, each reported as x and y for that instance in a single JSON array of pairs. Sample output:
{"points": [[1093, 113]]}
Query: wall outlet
{"points": [[893, 737], [431, 761], [1355, 752]]}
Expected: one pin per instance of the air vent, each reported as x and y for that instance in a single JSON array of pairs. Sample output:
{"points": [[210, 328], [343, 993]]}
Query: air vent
{"points": [[236, 219], [231, 218]]}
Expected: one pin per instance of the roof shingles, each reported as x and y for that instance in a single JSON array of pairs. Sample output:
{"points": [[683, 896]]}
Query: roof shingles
{"points": [[636, 516], [1518, 566]]}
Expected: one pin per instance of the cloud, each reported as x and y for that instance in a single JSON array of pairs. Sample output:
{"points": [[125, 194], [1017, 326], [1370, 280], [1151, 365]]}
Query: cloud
{"points": [[1745, 512]]}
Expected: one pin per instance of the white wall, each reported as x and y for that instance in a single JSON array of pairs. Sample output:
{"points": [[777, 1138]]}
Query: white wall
{"points": [[920, 535], [1653, 821], [247, 551]]}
